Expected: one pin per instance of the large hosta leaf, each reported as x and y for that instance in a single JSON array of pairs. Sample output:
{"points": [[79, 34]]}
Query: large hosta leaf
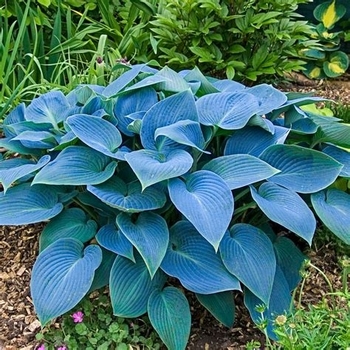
{"points": [[220, 305], [206, 201], [227, 110], [192, 260], [170, 315], [114, 240], [77, 165], [152, 166], [172, 109], [51, 108], [131, 285], [254, 140], [70, 223], [280, 303], [185, 132], [302, 170], [16, 168], [25, 204], [61, 276], [285, 207], [248, 254], [333, 208], [128, 197], [341, 156], [269, 98], [239, 170], [97, 133], [149, 234]]}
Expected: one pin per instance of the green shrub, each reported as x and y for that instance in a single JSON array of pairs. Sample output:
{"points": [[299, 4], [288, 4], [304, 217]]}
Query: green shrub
{"points": [[162, 181]]}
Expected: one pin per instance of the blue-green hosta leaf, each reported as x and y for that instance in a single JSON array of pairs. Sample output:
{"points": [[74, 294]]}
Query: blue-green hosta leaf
{"points": [[125, 79], [16, 168], [77, 165], [170, 315], [220, 305], [227, 110], [18, 128], [17, 115], [129, 198], [280, 302], [131, 285], [173, 82], [248, 254], [97, 133], [341, 156], [254, 140], [185, 132], [180, 106], [151, 166], [205, 86], [61, 276], [228, 85], [149, 234], [290, 260], [239, 170], [25, 204], [304, 126], [90, 200], [17, 147], [333, 208], [70, 223], [269, 98], [206, 201], [36, 139], [129, 104], [114, 240], [51, 108], [302, 170], [192, 260], [285, 207], [102, 274]]}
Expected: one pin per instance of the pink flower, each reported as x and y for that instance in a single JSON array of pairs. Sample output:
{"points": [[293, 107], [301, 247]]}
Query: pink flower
{"points": [[78, 317], [41, 347], [63, 347]]}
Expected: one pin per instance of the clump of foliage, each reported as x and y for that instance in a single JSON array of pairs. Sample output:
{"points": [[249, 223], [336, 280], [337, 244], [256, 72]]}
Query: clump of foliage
{"points": [[328, 60], [91, 326], [165, 179]]}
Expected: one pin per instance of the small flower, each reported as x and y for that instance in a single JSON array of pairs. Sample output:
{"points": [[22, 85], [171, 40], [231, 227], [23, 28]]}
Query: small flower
{"points": [[63, 347], [281, 320], [78, 317], [41, 347], [99, 60]]}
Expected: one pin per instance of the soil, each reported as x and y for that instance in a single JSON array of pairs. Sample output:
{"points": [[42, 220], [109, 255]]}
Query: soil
{"points": [[19, 247]]}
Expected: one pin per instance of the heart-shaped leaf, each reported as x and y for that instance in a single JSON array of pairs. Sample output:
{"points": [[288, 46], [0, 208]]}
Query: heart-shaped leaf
{"points": [[131, 198], [220, 305], [333, 208], [16, 168], [114, 240], [239, 170], [302, 170], [180, 106], [253, 264], [227, 110], [339, 155], [206, 201], [285, 207], [25, 204], [70, 223], [149, 234], [170, 315], [106, 140], [192, 260], [61, 276], [77, 165], [152, 167], [131, 285], [254, 140]]}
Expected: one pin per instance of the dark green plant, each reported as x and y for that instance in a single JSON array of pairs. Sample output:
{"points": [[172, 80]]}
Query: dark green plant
{"points": [[91, 326], [162, 181], [328, 60]]}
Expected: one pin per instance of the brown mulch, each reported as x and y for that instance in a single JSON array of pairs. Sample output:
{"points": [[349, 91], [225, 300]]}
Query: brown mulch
{"points": [[19, 246]]}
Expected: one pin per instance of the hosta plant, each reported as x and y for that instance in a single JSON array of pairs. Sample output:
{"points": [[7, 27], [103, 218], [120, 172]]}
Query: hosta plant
{"points": [[165, 181]]}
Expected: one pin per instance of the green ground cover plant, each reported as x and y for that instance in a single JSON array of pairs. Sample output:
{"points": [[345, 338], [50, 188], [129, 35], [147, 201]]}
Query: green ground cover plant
{"points": [[162, 179]]}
